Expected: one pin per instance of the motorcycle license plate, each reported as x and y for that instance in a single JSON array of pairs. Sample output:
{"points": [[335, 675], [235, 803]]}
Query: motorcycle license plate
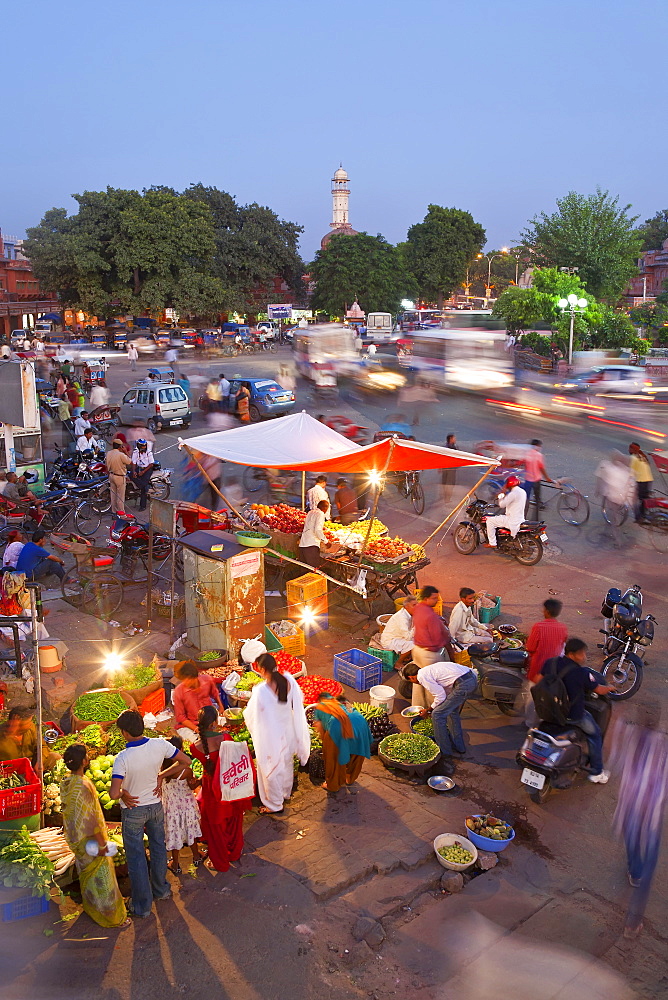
{"points": [[176, 422], [543, 537], [534, 779]]}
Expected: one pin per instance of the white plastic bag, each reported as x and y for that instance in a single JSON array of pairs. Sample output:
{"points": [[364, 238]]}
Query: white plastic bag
{"points": [[230, 683], [236, 772]]}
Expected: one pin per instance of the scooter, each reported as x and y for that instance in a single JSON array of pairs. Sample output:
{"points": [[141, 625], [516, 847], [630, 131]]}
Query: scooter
{"points": [[526, 547], [552, 756], [501, 674]]}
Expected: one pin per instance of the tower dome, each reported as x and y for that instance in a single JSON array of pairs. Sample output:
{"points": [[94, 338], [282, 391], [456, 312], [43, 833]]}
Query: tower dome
{"points": [[340, 175]]}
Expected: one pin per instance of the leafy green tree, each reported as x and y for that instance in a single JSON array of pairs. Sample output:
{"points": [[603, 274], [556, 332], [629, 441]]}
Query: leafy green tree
{"points": [[594, 234], [654, 231], [362, 267], [653, 318], [520, 308], [613, 330], [128, 252], [439, 248]]}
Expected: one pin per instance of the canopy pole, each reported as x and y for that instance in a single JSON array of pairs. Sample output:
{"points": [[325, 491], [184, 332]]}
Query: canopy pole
{"points": [[213, 485], [455, 509], [304, 490], [376, 500]]}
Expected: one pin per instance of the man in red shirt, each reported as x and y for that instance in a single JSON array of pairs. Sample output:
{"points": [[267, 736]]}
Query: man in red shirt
{"points": [[194, 692], [546, 639]]}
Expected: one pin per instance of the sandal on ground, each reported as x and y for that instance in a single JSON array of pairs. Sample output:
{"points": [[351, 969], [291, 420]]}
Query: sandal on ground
{"points": [[198, 861], [175, 869], [263, 811]]}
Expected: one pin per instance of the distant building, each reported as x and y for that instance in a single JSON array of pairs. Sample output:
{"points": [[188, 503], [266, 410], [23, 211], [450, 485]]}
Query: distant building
{"points": [[340, 198], [20, 294], [653, 268]]}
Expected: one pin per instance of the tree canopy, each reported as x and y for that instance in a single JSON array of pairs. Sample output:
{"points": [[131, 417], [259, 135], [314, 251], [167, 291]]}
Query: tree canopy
{"points": [[362, 267], [125, 251], [654, 231], [438, 250], [592, 233]]}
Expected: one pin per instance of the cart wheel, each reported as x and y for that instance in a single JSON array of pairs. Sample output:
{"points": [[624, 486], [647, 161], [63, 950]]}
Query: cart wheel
{"points": [[102, 504], [102, 595], [658, 531], [86, 518], [72, 586], [417, 496]]}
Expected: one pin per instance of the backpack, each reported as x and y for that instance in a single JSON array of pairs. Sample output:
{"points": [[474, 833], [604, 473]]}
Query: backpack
{"points": [[550, 697]]}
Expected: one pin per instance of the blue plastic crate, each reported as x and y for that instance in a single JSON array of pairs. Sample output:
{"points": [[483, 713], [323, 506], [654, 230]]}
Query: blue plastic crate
{"points": [[357, 669], [26, 906], [320, 624]]}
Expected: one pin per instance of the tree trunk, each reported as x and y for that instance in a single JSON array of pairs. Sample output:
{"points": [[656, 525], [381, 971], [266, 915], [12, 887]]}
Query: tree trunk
{"points": [[137, 282], [440, 300]]}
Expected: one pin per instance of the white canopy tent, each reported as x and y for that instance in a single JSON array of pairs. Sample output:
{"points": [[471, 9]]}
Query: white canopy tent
{"points": [[290, 442]]}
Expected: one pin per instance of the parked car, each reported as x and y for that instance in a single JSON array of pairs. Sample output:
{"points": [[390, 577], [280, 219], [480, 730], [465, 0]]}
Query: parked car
{"points": [[156, 405], [267, 398], [604, 379]]}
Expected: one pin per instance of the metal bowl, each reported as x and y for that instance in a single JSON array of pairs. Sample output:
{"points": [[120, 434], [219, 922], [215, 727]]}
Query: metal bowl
{"points": [[507, 629], [441, 783], [411, 712]]}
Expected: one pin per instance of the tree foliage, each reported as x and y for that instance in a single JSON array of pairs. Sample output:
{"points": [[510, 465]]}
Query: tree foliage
{"points": [[594, 234], [439, 248], [125, 251], [362, 267], [653, 317], [654, 231]]}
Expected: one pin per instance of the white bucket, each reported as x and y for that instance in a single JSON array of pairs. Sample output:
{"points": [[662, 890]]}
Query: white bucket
{"points": [[383, 696]]}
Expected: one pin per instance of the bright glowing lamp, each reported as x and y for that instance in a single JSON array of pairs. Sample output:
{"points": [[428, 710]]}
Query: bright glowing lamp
{"points": [[572, 299], [562, 303], [582, 303], [375, 478], [113, 662], [407, 304], [308, 617]]}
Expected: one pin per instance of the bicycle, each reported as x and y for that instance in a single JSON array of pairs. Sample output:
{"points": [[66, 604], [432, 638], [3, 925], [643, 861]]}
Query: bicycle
{"points": [[409, 487], [572, 506], [89, 584]]}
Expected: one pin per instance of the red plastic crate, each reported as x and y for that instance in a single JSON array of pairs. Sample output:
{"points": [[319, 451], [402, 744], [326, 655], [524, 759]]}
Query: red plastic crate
{"points": [[23, 801], [153, 703]]}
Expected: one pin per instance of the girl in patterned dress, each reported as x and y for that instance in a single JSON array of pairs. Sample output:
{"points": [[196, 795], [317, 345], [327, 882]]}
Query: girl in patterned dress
{"points": [[182, 821]]}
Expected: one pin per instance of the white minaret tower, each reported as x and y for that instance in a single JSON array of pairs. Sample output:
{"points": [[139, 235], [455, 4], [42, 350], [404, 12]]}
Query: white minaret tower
{"points": [[340, 196]]}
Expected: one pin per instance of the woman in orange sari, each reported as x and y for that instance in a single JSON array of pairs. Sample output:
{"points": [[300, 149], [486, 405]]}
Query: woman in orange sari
{"points": [[346, 741], [221, 821], [243, 404]]}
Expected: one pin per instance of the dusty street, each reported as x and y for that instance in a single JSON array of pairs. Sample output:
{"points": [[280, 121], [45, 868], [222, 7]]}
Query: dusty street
{"points": [[281, 923]]}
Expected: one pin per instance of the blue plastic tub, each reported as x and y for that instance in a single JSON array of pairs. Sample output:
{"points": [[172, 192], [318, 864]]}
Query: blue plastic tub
{"points": [[487, 843]]}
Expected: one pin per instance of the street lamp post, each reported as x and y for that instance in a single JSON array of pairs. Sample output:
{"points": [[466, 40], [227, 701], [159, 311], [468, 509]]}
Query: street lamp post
{"points": [[467, 284], [574, 306], [516, 255], [489, 270]]}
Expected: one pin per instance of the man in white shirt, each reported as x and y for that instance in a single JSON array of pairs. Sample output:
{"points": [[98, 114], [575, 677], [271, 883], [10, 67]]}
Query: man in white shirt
{"points": [[136, 781], [142, 467], [171, 355], [513, 502], [449, 684], [313, 535], [464, 627], [318, 493], [399, 633], [82, 423], [224, 384], [87, 441], [99, 395]]}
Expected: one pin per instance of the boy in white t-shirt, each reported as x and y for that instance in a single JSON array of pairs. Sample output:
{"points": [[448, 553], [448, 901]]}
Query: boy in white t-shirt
{"points": [[136, 781]]}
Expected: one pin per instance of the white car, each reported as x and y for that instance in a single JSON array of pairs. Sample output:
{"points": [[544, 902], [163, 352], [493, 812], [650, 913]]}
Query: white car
{"points": [[606, 379]]}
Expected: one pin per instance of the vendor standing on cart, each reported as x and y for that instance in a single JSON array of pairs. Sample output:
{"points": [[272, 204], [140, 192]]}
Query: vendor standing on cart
{"points": [[142, 467]]}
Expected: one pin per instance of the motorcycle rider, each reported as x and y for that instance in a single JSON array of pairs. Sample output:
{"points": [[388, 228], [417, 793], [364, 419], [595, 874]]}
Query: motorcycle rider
{"points": [[512, 501], [579, 681], [142, 467]]}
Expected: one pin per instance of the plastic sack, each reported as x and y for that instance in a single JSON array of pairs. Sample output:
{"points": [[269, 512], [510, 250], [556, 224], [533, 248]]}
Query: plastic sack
{"points": [[236, 771]]}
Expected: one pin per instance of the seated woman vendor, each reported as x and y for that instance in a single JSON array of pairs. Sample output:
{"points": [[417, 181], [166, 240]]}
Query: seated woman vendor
{"points": [[194, 692]]}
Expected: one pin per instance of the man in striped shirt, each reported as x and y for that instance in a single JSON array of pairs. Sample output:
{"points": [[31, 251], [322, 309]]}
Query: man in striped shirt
{"points": [[546, 639]]}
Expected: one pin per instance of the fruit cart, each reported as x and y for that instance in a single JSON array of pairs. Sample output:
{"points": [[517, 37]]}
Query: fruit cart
{"points": [[383, 582]]}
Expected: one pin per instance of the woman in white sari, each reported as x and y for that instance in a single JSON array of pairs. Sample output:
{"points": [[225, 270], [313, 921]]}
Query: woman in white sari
{"points": [[276, 720]]}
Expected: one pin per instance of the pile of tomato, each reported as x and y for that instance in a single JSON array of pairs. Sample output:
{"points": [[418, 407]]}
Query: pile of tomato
{"points": [[314, 685], [287, 663]]}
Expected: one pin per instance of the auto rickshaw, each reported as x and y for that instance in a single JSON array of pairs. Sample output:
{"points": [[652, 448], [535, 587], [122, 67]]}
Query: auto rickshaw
{"points": [[120, 340], [163, 338], [99, 338], [93, 373]]}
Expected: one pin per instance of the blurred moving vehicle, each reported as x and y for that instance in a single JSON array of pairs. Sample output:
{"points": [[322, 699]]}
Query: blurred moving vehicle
{"points": [[604, 379], [267, 398], [462, 359], [328, 347], [379, 327]]}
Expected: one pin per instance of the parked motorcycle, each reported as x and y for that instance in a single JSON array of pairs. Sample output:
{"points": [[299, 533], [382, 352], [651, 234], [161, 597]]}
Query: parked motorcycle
{"points": [[552, 756], [627, 635], [132, 538], [526, 547], [501, 673]]}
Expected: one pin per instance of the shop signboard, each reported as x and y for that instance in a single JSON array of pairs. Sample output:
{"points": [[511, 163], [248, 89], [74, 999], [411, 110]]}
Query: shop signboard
{"points": [[280, 310]]}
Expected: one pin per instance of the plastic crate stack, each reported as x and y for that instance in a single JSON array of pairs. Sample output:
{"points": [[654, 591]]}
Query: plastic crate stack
{"points": [[308, 593]]}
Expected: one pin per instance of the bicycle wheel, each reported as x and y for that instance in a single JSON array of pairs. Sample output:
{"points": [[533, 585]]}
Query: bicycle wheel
{"points": [[573, 508], [253, 479], [417, 497], [86, 518], [159, 491], [615, 513], [658, 531], [102, 595], [72, 586], [102, 502]]}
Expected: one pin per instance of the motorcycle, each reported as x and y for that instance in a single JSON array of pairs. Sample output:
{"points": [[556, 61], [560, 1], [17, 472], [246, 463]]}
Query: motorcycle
{"points": [[627, 635], [526, 547], [552, 756], [89, 466], [342, 425], [132, 538]]}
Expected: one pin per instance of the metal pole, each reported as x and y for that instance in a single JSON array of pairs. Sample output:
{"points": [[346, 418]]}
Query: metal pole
{"points": [[213, 485], [33, 591], [303, 490], [455, 509], [171, 606], [149, 577], [10, 454], [375, 502], [570, 337]]}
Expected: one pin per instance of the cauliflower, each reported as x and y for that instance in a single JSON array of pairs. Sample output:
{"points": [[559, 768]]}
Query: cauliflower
{"points": [[52, 792]]}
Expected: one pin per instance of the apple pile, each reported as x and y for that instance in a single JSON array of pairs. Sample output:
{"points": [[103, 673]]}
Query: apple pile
{"points": [[281, 517], [387, 549]]}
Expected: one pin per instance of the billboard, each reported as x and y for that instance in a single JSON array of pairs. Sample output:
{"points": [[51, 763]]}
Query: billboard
{"points": [[18, 396], [280, 311]]}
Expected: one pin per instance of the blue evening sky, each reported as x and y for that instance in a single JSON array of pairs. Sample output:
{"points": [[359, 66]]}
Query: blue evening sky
{"points": [[498, 108]]}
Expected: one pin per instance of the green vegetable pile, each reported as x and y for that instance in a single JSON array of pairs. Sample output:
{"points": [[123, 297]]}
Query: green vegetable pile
{"points": [[99, 773], [137, 676], [92, 737], [99, 706], [409, 748], [254, 534], [425, 727], [241, 736], [369, 711], [115, 742], [24, 865], [248, 681], [456, 854], [12, 780], [213, 654], [316, 742]]}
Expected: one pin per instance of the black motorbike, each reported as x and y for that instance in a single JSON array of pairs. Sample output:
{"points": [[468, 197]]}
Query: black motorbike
{"points": [[526, 547], [627, 636], [552, 756]]}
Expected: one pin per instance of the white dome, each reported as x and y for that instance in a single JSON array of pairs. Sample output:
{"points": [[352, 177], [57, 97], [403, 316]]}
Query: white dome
{"points": [[340, 175]]}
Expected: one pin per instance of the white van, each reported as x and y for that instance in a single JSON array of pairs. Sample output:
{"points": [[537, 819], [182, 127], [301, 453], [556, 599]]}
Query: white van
{"points": [[379, 327]]}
